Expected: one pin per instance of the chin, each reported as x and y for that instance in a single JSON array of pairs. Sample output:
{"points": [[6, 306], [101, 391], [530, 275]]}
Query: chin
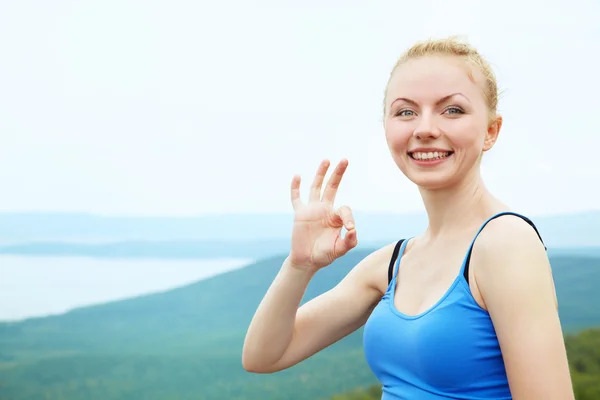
{"points": [[430, 177], [438, 182]]}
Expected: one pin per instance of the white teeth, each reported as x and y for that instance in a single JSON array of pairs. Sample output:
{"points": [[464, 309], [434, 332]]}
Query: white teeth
{"points": [[430, 155]]}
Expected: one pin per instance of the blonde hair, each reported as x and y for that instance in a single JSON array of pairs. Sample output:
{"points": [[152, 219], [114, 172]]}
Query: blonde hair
{"points": [[453, 46]]}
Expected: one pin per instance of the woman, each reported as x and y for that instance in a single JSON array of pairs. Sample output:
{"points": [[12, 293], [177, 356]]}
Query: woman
{"points": [[467, 309]]}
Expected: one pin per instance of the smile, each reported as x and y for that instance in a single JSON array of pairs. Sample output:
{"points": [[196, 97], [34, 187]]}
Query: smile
{"points": [[429, 156]]}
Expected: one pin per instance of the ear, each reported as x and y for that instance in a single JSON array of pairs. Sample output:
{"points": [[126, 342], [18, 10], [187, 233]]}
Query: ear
{"points": [[492, 133]]}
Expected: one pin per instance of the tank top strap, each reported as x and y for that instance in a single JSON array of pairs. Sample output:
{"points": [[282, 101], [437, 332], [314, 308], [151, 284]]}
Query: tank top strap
{"points": [[467, 259], [399, 256]]}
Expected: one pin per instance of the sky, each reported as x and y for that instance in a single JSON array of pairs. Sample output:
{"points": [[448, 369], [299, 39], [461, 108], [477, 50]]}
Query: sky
{"points": [[188, 108]]}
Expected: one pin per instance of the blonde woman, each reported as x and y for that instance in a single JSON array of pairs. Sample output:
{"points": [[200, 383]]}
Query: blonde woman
{"points": [[465, 310]]}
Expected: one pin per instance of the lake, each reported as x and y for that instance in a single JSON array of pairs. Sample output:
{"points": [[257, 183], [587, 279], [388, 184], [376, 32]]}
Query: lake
{"points": [[39, 286]]}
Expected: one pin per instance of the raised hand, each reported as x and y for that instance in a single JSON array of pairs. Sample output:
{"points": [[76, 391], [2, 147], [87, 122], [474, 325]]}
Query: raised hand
{"points": [[317, 232]]}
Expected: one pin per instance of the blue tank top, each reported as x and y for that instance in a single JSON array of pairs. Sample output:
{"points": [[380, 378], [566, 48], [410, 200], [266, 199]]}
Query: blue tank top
{"points": [[449, 351]]}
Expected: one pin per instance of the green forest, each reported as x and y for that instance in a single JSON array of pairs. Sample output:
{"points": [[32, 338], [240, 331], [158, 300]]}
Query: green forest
{"points": [[186, 343]]}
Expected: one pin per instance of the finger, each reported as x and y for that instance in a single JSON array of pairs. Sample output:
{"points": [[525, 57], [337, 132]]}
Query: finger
{"points": [[347, 217], [315, 189], [350, 240], [347, 243], [295, 192], [334, 182]]}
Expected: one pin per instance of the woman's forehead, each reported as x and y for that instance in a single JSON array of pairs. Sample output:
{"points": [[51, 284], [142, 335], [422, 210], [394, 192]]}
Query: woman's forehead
{"points": [[434, 77]]}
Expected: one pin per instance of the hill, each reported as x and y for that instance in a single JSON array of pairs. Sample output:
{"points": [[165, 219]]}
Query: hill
{"points": [[91, 228], [186, 343], [567, 230], [254, 249]]}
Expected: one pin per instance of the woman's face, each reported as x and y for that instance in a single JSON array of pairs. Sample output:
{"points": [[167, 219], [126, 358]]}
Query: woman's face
{"points": [[437, 121]]}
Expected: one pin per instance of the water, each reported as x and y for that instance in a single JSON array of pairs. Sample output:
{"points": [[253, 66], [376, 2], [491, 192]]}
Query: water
{"points": [[38, 286]]}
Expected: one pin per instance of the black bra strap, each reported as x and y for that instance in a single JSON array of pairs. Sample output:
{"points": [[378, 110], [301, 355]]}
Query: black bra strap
{"points": [[466, 270], [393, 260]]}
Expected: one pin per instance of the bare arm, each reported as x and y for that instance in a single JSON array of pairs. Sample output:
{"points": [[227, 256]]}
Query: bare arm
{"points": [[515, 280], [282, 335]]}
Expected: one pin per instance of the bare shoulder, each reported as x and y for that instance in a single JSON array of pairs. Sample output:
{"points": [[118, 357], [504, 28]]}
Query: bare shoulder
{"points": [[373, 269], [509, 230], [509, 254], [509, 249], [363, 285], [514, 277]]}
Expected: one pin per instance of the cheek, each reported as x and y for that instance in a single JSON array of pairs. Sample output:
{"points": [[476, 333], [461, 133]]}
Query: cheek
{"points": [[397, 135], [466, 134]]}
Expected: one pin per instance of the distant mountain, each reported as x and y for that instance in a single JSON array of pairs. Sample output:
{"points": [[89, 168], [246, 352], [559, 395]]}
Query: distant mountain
{"points": [[568, 230], [194, 250], [153, 249], [186, 343]]}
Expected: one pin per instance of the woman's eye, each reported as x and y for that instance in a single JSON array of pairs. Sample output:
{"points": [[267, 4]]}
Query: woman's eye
{"points": [[405, 113], [454, 110]]}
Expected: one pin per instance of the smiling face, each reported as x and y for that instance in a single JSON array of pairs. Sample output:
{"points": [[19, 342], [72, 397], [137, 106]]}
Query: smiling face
{"points": [[437, 120]]}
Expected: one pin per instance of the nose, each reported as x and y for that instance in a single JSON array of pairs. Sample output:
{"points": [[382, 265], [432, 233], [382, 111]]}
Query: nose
{"points": [[426, 128]]}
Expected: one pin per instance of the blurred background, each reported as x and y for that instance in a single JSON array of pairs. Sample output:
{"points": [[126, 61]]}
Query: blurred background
{"points": [[147, 151]]}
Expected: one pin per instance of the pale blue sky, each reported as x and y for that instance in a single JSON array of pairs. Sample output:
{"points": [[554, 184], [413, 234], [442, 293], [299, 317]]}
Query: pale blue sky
{"points": [[186, 107]]}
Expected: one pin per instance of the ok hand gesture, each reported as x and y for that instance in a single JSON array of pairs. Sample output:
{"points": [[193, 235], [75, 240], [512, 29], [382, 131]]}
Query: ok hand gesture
{"points": [[316, 234]]}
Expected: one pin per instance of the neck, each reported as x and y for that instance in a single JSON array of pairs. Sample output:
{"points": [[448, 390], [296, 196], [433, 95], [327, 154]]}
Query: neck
{"points": [[459, 207]]}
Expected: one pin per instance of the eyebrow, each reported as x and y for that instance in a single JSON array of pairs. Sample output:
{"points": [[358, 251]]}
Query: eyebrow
{"points": [[443, 99]]}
